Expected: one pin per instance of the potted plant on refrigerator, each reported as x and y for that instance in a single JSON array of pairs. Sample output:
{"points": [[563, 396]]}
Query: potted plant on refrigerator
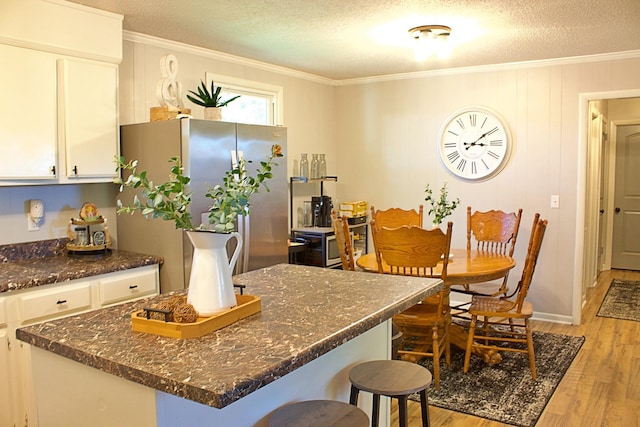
{"points": [[210, 100], [440, 207], [210, 284]]}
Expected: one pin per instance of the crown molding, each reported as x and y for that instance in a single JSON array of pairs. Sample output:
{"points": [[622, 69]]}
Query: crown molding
{"points": [[212, 54], [613, 56]]}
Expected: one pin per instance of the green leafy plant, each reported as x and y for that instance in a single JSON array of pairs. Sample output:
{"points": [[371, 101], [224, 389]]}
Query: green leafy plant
{"points": [[206, 98], [440, 208], [170, 200]]}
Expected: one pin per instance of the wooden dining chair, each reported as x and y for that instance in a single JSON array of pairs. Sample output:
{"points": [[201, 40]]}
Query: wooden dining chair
{"points": [[396, 217], [343, 240], [496, 232], [415, 251], [503, 319]]}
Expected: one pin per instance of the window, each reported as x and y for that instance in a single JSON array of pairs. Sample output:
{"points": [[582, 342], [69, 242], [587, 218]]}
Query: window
{"points": [[259, 103]]}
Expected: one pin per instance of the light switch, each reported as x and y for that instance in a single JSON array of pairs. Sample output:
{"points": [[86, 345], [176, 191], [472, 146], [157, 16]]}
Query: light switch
{"points": [[555, 201]]}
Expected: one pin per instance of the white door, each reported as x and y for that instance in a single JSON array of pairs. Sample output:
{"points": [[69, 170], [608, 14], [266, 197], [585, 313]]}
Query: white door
{"points": [[592, 206], [626, 218], [603, 196]]}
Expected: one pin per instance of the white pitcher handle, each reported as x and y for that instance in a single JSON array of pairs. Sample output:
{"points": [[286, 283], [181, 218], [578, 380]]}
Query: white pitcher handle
{"points": [[236, 253]]}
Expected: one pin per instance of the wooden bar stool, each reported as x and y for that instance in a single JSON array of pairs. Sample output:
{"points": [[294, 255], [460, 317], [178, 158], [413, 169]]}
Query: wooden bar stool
{"points": [[393, 378], [319, 413]]}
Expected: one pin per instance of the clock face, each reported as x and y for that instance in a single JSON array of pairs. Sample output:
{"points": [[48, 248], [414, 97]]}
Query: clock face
{"points": [[474, 144]]}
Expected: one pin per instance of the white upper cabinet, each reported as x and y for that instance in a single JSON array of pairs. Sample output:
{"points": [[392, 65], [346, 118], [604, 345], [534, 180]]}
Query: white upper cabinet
{"points": [[90, 119], [28, 119], [59, 80]]}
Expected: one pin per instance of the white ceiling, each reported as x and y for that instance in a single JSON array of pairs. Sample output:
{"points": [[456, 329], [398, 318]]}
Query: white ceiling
{"points": [[344, 39]]}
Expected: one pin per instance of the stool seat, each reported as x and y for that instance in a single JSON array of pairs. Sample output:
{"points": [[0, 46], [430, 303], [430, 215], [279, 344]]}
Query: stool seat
{"points": [[393, 378], [319, 413]]}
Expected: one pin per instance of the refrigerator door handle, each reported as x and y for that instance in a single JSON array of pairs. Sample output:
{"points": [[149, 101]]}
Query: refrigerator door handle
{"points": [[245, 231]]}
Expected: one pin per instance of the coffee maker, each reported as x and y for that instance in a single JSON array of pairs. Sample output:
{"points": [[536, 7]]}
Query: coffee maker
{"points": [[321, 211]]}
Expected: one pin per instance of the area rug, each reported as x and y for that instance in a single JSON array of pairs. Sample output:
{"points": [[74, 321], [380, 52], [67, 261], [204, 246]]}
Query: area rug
{"points": [[622, 301], [505, 392]]}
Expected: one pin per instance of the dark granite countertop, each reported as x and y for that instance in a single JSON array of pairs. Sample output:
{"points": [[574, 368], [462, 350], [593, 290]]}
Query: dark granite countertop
{"points": [[306, 312], [42, 263]]}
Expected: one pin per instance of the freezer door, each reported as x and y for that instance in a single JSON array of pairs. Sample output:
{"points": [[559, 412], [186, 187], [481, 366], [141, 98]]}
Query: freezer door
{"points": [[266, 242], [208, 149]]}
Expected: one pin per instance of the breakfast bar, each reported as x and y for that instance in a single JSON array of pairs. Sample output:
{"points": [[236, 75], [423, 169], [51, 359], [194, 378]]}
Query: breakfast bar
{"points": [[314, 324]]}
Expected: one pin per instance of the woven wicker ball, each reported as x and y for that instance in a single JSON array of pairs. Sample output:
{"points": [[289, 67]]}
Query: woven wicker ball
{"points": [[185, 313], [175, 301]]}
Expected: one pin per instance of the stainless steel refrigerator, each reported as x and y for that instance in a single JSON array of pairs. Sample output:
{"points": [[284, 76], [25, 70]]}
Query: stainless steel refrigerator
{"points": [[206, 148]]}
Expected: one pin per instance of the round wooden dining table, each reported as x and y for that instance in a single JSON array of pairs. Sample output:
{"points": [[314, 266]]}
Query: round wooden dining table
{"points": [[465, 267]]}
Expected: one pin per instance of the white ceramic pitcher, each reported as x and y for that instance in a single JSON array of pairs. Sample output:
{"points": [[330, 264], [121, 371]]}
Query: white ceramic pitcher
{"points": [[210, 284]]}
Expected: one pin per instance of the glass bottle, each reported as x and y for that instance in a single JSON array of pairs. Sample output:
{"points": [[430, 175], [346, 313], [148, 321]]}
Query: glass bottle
{"points": [[304, 166], [322, 167], [314, 167], [296, 168]]}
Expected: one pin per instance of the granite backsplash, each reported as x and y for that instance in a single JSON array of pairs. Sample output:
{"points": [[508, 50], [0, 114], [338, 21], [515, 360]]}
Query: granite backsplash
{"points": [[29, 250]]}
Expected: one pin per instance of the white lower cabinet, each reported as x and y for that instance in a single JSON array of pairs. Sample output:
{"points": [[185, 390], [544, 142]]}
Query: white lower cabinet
{"points": [[18, 405]]}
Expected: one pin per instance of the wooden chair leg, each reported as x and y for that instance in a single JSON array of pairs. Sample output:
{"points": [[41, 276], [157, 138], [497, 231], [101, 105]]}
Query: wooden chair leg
{"points": [[436, 357], [447, 343], [472, 331], [426, 422], [532, 354]]}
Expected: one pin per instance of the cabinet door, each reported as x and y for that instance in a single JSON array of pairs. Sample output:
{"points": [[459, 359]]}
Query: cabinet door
{"points": [[90, 119], [28, 114], [6, 403]]}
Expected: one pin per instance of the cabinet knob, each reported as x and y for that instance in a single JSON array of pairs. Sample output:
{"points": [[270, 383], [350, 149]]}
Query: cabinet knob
{"points": [[53, 170], [75, 170], [133, 286], [61, 301]]}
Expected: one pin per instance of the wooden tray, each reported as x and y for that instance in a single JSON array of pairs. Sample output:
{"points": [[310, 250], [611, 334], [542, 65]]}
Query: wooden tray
{"points": [[247, 305]]}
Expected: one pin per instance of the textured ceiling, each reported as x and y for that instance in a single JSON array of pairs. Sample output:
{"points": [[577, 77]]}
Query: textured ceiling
{"points": [[344, 39]]}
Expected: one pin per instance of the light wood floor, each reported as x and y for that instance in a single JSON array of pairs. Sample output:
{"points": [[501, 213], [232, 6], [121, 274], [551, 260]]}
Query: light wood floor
{"points": [[602, 386]]}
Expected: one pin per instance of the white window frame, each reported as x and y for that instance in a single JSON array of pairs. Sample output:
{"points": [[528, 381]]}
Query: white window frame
{"points": [[276, 93]]}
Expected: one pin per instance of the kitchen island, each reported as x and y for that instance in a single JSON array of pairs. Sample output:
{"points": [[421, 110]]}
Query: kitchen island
{"points": [[314, 325]]}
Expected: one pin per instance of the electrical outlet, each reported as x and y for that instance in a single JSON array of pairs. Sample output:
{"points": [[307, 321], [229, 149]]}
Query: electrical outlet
{"points": [[31, 224], [555, 201]]}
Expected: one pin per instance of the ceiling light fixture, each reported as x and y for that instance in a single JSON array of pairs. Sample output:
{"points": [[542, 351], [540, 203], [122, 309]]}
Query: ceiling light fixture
{"points": [[430, 40]]}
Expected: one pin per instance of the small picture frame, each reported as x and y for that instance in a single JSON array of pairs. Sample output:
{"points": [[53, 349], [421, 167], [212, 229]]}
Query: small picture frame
{"points": [[98, 238]]}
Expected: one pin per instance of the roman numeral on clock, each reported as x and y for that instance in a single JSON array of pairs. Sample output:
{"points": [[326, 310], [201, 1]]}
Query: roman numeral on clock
{"points": [[474, 168], [496, 143], [462, 165], [460, 123], [492, 154], [453, 156], [472, 119]]}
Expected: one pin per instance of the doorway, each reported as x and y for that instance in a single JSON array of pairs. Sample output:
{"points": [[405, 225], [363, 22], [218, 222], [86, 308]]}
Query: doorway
{"points": [[626, 110]]}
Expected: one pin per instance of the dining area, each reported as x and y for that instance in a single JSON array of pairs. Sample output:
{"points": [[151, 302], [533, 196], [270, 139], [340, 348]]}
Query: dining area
{"points": [[480, 309]]}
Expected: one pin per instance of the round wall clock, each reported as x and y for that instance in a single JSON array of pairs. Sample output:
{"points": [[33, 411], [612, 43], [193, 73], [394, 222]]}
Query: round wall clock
{"points": [[474, 143]]}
